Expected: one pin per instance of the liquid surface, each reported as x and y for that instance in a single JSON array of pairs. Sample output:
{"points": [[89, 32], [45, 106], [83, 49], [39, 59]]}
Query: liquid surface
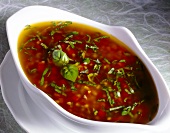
{"points": [[87, 72]]}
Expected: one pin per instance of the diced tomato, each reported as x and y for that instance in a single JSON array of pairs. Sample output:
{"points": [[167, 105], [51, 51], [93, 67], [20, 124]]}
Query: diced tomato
{"points": [[101, 114], [120, 65], [62, 82], [124, 94], [41, 66], [71, 52], [75, 98]]}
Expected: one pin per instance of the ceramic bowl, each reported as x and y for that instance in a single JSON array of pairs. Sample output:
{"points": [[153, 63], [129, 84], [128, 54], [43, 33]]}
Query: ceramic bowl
{"points": [[34, 14]]}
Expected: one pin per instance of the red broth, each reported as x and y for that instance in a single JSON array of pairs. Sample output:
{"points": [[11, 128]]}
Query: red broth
{"points": [[88, 72]]}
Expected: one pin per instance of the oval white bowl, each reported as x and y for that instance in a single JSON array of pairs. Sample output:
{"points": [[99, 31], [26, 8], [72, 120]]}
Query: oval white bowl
{"points": [[34, 14]]}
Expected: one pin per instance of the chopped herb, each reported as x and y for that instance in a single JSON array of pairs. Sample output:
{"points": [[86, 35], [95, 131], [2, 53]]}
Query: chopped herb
{"points": [[128, 68], [91, 77], [82, 54], [94, 47], [86, 82], [130, 74], [86, 61], [131, 90], [68, 37], [127, 54], [122, 61], [73, 88], [118, 86], [85, 71], [115, 108], [99, 38], [107, 60], [89, 38], [59, 89], [44, 46], [73, 33], [111, 101], [59, 26], [30, 40], [38, 37], [42, 78], [120, 72], [127, 91], [101, 100], [52, 32], [33, 70], [97, 61], [26, 53], [95, 112], [72, 43], [137, 84], [54, 23], [117, 94], [33, 48], [126, 110], [111, 71], [97, 67]]}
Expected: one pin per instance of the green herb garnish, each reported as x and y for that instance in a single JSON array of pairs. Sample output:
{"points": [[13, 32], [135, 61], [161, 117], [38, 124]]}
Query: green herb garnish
{"points": [[115, 108], [42, 78], [94, 47], [99, 38], [70, 72], [101, 100], [33, 70], [111, 101], [59, 89], [59, 26], [86, 61], [111, 71], [73, 88], [60, 58], [72, 43], [89, 38], [30, 40], [44, 46], [107, 60]]}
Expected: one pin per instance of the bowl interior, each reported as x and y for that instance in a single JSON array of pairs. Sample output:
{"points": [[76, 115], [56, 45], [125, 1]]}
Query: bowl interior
{"points": [[34, 14]]}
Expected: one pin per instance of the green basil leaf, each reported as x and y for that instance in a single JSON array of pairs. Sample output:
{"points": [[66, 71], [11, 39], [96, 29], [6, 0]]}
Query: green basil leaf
{"points": [[70, 72], [60, 57]]}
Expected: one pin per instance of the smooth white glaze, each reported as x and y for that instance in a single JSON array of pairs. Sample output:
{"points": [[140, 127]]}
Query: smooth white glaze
{"points": [[35, 14]]}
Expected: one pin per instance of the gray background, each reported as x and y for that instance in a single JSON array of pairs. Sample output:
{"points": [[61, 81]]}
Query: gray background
{"points": [[149, 20]]}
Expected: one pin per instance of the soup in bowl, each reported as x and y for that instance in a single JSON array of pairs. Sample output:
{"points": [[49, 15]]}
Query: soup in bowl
{"points": [[87, 74]]}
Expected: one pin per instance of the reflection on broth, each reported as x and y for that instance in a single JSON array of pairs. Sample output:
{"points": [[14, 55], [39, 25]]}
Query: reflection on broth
{"points": [[88, 72]]}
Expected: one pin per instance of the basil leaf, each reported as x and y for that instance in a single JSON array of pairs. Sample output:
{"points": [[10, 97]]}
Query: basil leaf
{"points": [[60, 57], [70, 72]]}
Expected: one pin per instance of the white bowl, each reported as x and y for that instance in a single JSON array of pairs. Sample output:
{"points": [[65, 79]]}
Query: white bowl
{"points": [[34, 14]]}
